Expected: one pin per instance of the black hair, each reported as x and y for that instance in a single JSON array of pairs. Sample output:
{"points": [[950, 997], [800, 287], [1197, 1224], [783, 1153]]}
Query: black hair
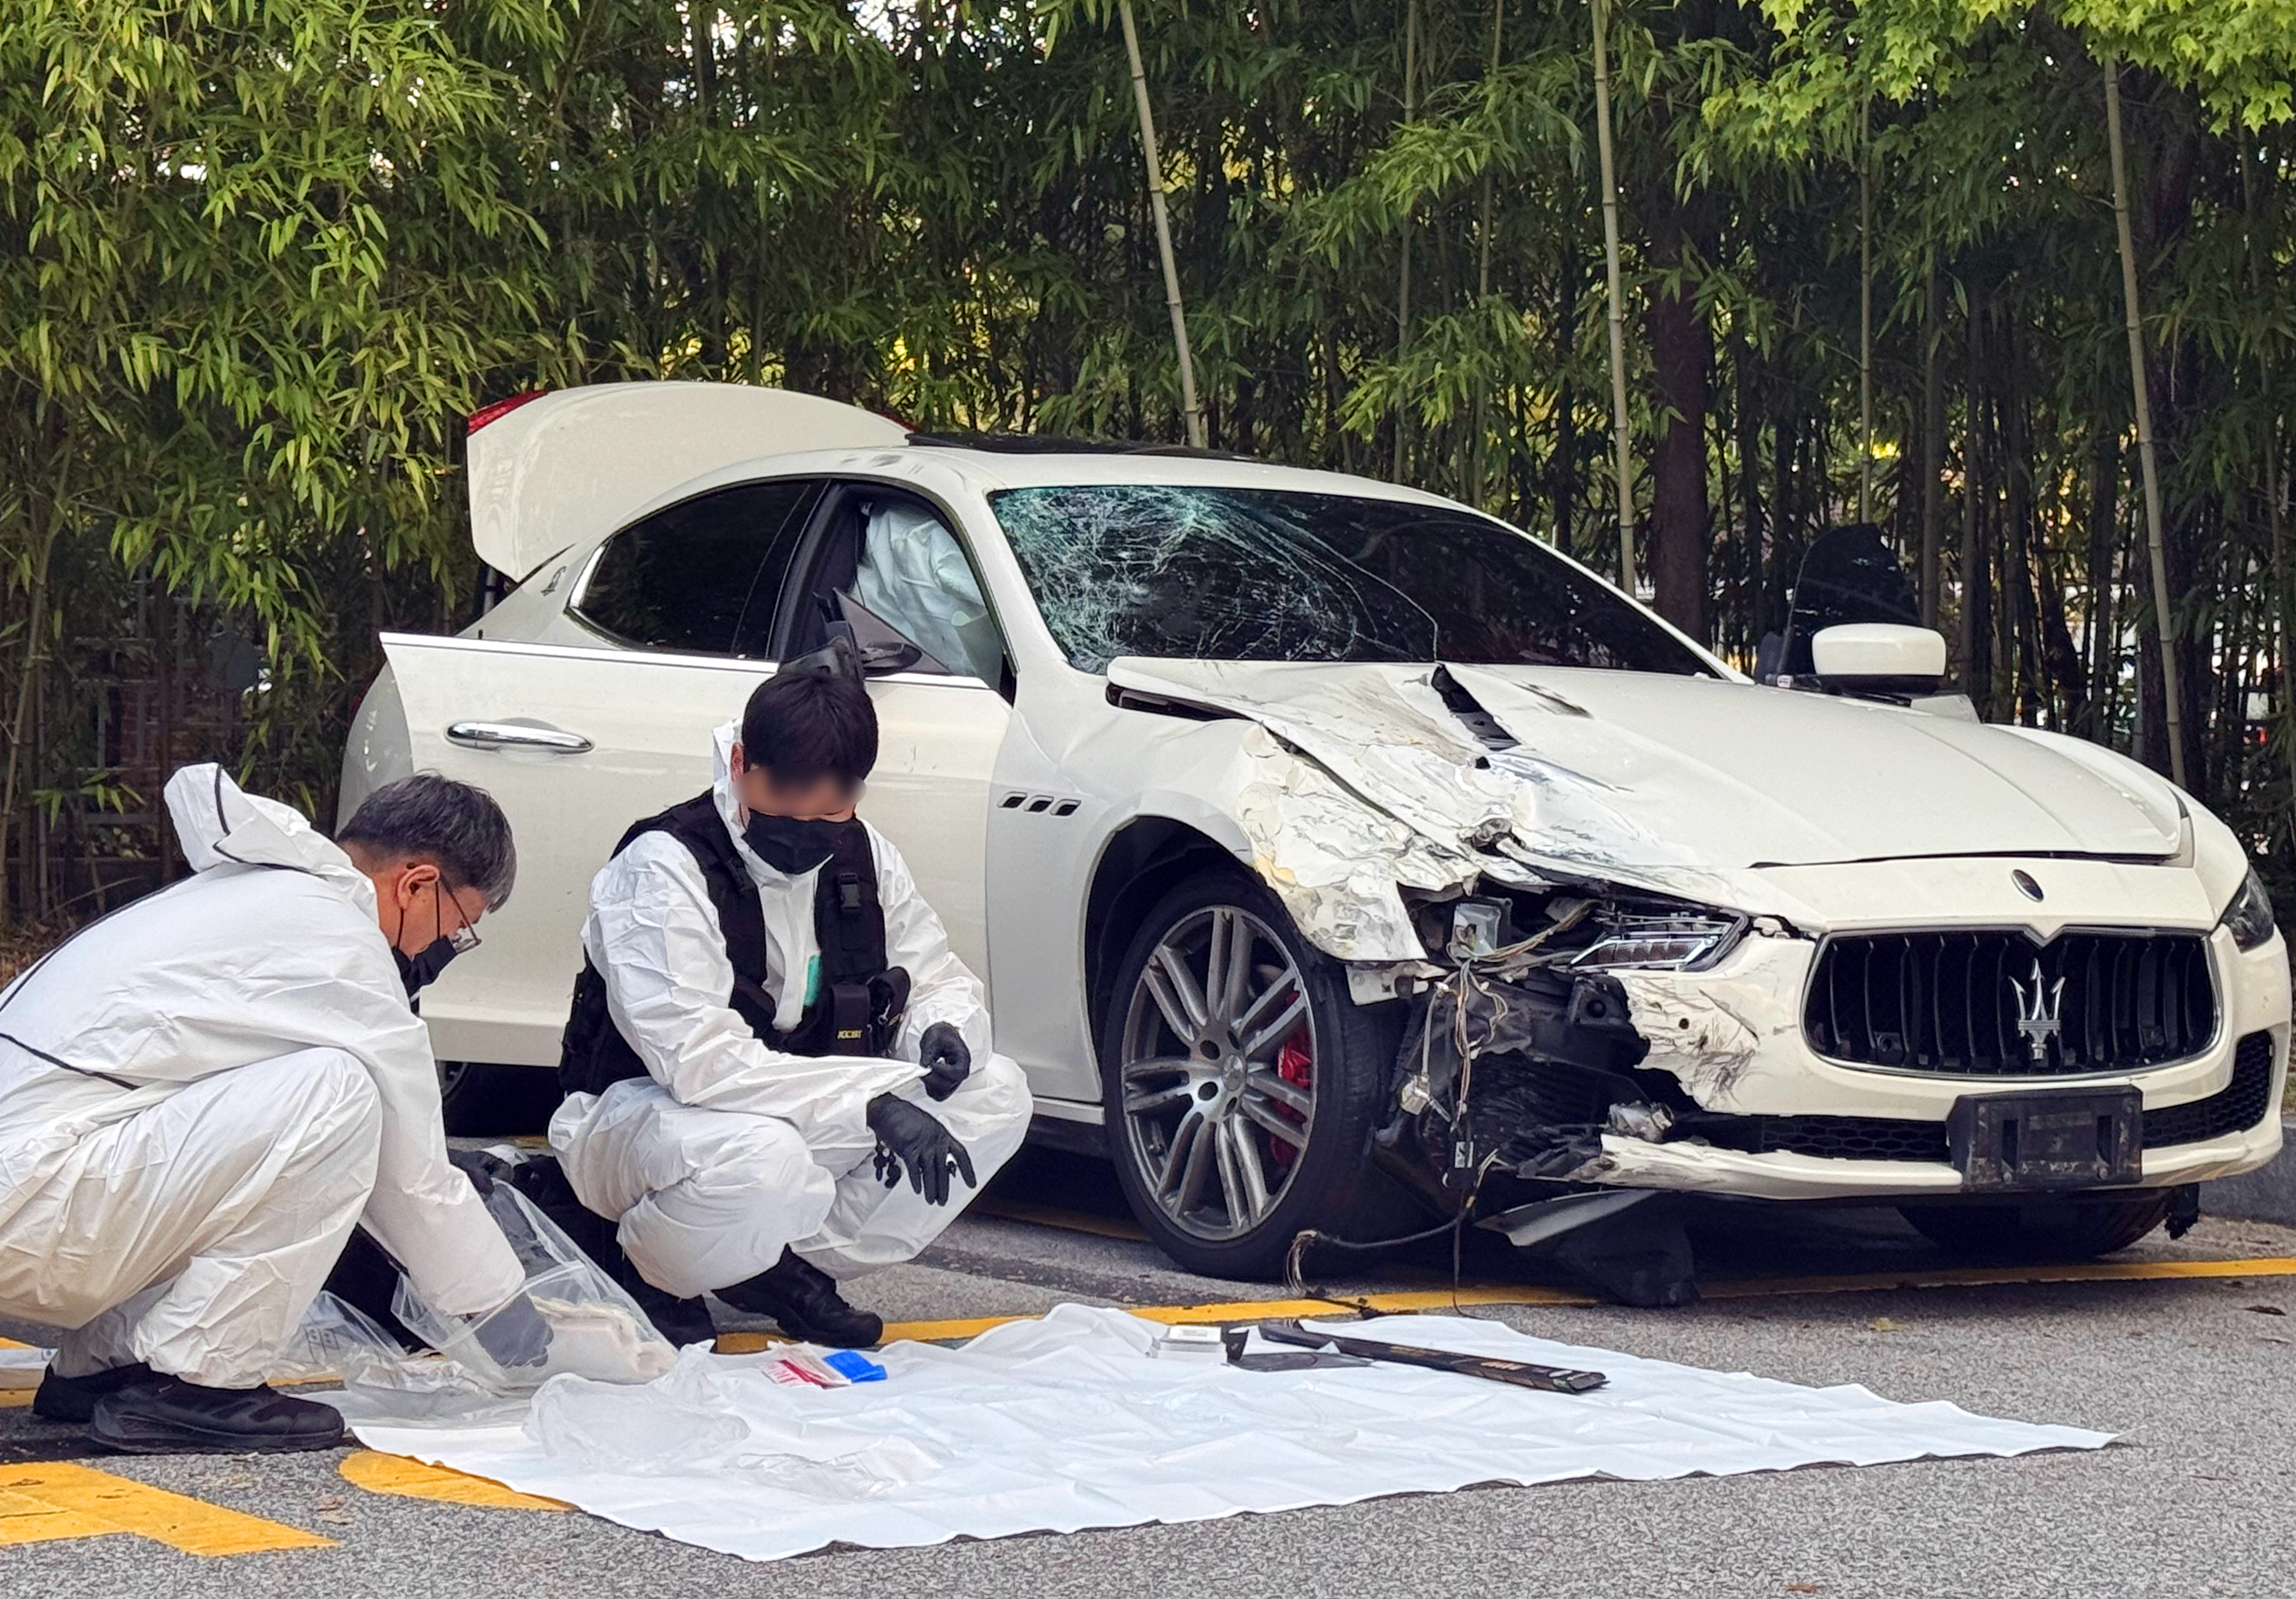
{"points": [[805, 724], [457, 827]]}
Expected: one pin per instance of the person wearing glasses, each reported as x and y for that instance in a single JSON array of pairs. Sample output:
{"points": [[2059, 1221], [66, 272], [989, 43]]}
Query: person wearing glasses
{"points": [[779, 1076], [203, 1093]]}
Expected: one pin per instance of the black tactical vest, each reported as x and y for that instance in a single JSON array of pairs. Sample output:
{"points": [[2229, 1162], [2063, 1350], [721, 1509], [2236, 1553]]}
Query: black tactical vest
{"points": [[857, 1011]]}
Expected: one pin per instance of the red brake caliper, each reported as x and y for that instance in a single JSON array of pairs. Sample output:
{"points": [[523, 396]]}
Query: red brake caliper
{"points": [[1295, 1063]]}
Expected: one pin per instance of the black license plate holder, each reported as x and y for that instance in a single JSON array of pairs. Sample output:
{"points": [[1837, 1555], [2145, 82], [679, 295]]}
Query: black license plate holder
{"points": [[2045, 1139]]}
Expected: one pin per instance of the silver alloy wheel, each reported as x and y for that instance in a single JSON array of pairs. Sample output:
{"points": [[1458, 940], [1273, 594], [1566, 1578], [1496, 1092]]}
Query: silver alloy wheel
{"points": [[1216, 1131]]}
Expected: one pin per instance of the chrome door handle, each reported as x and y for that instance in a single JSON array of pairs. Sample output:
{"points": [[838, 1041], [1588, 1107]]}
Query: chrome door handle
{"points": [[516, 735]]}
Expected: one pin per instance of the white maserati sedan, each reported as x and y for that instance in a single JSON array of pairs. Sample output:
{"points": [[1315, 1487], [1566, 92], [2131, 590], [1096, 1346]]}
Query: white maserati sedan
{"points": [[1333, 849]]}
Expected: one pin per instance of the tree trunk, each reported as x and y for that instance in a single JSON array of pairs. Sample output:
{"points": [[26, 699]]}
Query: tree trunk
{"points": [[1746, 404], [23, 767], [2021, 659], [1932, 441], [2103, 519], [1976, 568], [1565, 475], [1681, 358], [1403, 267]]}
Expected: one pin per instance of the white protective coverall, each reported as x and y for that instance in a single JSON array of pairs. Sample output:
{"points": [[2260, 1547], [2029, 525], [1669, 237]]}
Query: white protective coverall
{"points": [[730, 1150], [202, 1093]]}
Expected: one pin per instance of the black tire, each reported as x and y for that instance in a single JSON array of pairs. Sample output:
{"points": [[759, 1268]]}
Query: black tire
{"points": [[2041, 1229], [1329, 1184], [486, 1102]]}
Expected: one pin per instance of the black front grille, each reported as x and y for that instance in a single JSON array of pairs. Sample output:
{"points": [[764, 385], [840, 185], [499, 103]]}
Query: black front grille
{"points": [[2235, 1108], [1838, 1137], [1971, 1005]]}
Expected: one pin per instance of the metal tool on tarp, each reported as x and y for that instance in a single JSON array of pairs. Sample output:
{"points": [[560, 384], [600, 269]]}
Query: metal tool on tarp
{"points": [[1515, 1373]]}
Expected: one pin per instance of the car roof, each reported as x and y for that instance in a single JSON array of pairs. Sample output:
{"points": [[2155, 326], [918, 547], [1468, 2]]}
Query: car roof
{"points": [[989, 471]]}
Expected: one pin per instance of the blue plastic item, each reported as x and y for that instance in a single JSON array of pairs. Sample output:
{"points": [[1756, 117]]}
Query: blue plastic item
{"points": [[853, 1366]]}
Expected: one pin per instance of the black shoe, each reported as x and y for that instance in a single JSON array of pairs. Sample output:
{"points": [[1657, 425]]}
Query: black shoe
{"points": [[166, 1415], [73, 1399], [804, 1299]]}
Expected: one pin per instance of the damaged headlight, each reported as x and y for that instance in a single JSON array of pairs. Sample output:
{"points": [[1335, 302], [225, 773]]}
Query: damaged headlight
{"points": [[2249, 917], [1677, 943]]}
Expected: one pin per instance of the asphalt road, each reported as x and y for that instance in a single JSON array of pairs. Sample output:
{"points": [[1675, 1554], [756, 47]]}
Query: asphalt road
{"points": [[2197, 1375]]}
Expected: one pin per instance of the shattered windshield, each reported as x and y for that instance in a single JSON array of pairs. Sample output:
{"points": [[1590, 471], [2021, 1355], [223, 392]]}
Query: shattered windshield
{"points": [[1244, 574]]}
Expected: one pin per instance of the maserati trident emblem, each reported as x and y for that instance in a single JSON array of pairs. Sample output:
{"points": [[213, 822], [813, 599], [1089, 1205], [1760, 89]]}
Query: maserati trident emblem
{"points": [[2040, 1012]]}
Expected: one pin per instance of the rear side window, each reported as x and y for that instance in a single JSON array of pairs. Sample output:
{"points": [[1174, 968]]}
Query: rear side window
{"points": [[700, 577]]}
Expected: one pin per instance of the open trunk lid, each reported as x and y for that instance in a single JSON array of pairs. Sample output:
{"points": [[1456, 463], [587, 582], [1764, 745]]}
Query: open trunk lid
{"points": [[563, 467]]}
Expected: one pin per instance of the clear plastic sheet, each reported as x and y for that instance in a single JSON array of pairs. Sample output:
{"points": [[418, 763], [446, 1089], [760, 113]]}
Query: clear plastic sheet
{"points": [[597, 1331], [336, 1341], [598, 1335]]}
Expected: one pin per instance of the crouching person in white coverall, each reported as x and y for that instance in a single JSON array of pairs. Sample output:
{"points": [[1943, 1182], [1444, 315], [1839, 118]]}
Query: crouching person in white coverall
{"points": [[202, 1093], [779, 1075]]}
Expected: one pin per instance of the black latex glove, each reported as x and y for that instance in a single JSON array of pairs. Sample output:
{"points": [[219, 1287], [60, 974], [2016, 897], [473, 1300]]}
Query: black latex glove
{"points": [[483, 1169], [516, 1334], [910, 1136], [947, 1062]]}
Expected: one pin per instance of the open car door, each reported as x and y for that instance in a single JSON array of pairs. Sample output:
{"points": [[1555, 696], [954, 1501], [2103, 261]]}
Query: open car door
{"points": [[575, 745], [893, 569]]}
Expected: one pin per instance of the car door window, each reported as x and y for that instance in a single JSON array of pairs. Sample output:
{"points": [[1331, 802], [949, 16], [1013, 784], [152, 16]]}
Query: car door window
{"points": [[887, 563], [913, 574], [700, 576]]}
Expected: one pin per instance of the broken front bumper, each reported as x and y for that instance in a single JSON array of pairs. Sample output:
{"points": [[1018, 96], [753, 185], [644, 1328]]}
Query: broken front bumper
{"points": [[1696, 1166], [1788, 1123]]}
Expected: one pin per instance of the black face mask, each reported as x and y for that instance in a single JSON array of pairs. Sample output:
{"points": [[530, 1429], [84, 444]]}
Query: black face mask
{"points": [[788, 845], [421, 970]]}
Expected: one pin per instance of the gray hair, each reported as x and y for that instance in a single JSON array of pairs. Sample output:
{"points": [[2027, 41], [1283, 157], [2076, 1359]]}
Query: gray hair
{"points": [[455, 825]]}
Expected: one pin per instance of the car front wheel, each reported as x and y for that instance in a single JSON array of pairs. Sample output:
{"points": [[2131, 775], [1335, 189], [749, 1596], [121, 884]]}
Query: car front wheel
{"points": [[1240, 1082]]}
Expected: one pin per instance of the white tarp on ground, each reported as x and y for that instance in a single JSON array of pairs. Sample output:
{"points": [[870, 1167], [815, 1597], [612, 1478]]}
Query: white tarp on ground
{"points": [[1067, 1423]]}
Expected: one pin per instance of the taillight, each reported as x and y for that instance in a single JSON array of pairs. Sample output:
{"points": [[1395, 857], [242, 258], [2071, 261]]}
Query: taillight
{"points": [[501, 408]]}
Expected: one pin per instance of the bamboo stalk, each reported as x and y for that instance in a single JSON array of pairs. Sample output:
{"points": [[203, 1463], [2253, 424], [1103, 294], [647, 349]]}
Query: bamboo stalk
{"points": [[1189, 402], [1483, 275], [2275, 513], [1618, 304], [1865, 313], [2276, 517], [2172, 701], [1932, 440], [1403, 271]]}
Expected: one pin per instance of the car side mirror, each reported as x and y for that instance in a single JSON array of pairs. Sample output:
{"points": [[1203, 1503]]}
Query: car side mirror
{"points": [[1879, 658], [884, 648]]}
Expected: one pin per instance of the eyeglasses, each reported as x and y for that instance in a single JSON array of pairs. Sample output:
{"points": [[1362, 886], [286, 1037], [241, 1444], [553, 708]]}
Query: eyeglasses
{"points": [[464, 939]]}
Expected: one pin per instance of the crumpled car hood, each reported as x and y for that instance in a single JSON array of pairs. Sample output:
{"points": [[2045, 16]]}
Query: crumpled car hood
{"points": [[1650, 775]]}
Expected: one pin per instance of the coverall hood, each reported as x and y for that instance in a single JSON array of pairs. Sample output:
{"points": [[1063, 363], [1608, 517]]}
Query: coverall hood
{"points": [[218, 824]]}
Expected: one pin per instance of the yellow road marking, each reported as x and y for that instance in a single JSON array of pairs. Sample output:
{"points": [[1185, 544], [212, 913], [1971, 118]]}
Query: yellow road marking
{"points": [[24, 1520], [60, 1499], [1531, 1293], [1982, 1276], [413, 1480]]}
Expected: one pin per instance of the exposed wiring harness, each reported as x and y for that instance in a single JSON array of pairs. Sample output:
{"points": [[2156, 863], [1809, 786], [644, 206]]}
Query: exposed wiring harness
{"points": [[1471, 975]]}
